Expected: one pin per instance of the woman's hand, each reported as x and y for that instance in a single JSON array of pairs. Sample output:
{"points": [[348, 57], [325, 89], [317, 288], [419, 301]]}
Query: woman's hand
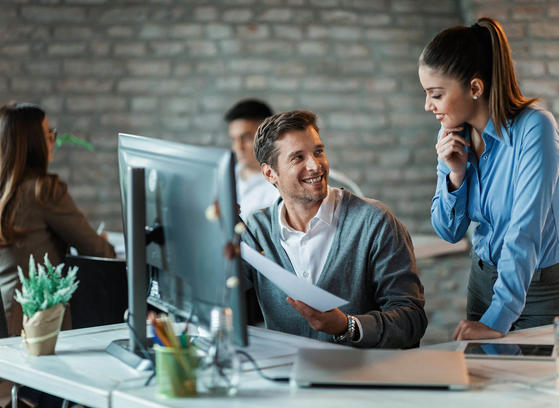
{"points": [[468, 330], [451, 149]]}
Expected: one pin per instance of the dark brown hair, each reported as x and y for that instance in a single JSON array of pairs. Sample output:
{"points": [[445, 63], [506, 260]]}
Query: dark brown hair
{"points": [[23, 151], [249, 109], [480, 51], [274, 127]]}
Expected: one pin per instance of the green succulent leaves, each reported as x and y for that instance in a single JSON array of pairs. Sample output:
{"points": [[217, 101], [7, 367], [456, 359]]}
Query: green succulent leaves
{"points": [[45, 287], [68, 138]]}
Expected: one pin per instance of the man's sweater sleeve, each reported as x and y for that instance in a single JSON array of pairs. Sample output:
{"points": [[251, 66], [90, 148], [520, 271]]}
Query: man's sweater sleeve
{"points": [[401, 320]]}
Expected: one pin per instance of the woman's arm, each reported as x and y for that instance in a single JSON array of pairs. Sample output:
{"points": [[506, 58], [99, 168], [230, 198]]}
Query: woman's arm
{"points": [[449, 205], [68, 222]]}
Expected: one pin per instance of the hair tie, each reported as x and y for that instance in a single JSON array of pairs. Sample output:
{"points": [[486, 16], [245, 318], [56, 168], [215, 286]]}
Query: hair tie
{"points": [[477, 29], [482, 34]]}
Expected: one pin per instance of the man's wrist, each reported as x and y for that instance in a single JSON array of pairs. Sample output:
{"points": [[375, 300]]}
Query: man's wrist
{"points": [[349, 334]]}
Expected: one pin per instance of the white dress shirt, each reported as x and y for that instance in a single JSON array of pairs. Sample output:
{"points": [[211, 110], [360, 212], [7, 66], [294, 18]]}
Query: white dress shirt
{"points": [[308, 250]]}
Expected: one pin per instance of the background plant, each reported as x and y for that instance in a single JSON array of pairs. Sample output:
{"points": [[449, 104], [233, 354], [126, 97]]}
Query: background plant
{"points": [[68, 138]]}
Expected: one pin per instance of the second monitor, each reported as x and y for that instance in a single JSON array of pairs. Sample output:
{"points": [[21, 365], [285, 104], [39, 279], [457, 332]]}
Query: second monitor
{"points": [[184, 246]]}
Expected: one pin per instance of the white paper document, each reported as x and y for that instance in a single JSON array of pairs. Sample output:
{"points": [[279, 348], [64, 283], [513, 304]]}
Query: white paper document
{"points": [[294, 287]]}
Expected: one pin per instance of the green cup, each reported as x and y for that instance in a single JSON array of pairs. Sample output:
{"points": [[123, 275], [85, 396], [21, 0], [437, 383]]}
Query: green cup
{"points": [[175, 370]]}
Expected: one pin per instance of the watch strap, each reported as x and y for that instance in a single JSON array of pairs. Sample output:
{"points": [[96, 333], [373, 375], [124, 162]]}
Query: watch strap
{"points": [[348, 336]]}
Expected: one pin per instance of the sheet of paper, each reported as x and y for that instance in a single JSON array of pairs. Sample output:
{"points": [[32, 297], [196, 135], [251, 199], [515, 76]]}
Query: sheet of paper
{"points": [[294, 287], [116, 239]]}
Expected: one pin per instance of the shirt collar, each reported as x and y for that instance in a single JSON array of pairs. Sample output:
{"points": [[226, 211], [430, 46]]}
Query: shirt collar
{"points": [[325, 214], [491, 131]]}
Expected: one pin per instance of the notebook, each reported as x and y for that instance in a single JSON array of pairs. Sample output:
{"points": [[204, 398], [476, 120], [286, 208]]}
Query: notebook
{"points": [[381, 368]]}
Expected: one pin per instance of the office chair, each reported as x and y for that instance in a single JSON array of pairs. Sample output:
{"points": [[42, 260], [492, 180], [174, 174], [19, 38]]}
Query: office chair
{"points": [[3, 323], [102, 294]]}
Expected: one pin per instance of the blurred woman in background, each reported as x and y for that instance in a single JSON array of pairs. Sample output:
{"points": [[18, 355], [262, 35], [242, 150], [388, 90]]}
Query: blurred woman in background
{"points": [[498, 165], [37, 214]]}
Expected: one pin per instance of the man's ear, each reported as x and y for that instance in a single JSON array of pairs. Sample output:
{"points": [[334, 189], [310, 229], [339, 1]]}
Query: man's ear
{"points": [[477, 87], [269, 173]]}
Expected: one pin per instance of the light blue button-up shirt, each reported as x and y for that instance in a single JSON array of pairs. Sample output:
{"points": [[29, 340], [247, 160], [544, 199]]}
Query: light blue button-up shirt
{"points": [[512, 193]]}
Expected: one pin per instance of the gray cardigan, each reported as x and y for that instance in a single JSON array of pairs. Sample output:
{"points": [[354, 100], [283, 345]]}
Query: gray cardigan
{"points": [[370, 263]]}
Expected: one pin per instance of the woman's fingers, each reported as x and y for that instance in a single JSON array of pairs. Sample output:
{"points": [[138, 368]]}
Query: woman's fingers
{"points": [[450, 131], [450, 146]]}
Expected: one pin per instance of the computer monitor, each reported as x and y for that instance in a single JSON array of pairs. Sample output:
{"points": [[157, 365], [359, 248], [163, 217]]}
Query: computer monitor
{"points": [[184, 248]]}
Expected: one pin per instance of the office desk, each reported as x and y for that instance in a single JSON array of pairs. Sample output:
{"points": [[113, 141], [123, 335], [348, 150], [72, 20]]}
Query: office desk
{"points": [[80, 371], [83, 372], [494, 384]]}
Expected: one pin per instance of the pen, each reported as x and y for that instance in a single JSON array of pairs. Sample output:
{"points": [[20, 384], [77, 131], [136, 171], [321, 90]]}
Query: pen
{"points": [[101, 227], [155, 338]]}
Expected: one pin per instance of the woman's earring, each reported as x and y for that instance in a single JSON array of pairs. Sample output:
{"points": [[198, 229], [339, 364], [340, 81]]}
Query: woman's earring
{"points": [[475, 97]]}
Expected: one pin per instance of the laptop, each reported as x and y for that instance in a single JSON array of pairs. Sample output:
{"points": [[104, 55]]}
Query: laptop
{"points": [[415, 368]]}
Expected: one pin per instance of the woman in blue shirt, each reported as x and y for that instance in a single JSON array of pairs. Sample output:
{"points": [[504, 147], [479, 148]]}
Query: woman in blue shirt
{"points": [[498, 165]]}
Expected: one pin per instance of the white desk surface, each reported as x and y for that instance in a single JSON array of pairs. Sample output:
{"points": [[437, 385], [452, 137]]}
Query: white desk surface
{"points": [[80, 371], [509, 383], [83, 372]]}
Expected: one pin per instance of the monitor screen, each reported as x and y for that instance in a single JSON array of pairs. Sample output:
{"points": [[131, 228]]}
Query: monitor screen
{"points": [[186, 264]]}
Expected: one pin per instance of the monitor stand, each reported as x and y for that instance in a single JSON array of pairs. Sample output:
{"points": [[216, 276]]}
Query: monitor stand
{"points": [[129, 350], [120, 349]]}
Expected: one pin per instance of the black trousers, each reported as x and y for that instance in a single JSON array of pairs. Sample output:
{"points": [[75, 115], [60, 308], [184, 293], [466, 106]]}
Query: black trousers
{"points": [[542, 299]]}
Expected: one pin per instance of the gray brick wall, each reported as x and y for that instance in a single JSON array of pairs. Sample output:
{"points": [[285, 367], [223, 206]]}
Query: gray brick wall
{"points": [[169, 69], [533, 31]]}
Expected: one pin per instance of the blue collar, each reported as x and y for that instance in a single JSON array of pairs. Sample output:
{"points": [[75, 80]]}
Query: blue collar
{"points": [[506, 135]]}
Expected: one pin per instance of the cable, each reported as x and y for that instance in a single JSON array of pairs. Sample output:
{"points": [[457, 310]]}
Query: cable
{"points": [[259, 370]]}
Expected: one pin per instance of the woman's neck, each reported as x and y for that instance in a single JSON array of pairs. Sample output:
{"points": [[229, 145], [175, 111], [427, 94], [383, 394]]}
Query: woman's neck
{"points": [[481, 116], [478, 123]]}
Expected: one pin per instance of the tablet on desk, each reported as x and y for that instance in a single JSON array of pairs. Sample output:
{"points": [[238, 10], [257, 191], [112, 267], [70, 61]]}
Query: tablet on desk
{"points": [[509, 351]]}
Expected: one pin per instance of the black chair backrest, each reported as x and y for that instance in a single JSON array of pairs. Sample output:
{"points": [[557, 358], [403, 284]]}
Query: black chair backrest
{"points": [[3, 324], [102, 294]]}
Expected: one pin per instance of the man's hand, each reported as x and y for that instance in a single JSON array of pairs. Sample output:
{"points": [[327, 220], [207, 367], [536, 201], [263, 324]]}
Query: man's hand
{"points": [[332, 322], [468, 330]]}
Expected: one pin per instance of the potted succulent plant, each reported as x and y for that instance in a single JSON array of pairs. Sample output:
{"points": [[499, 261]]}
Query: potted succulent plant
{"points": [[43, 298]]}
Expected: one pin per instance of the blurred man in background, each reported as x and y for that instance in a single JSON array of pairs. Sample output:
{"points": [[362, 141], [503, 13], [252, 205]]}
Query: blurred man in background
{"points": [[253, 191]]}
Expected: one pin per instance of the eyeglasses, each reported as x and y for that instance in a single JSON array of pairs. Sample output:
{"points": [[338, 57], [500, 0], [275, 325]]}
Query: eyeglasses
{"points": [[54, 133]]}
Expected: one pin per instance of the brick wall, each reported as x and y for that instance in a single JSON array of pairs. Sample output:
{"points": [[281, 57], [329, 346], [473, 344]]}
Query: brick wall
{"points": [[533, 31], [169, 69]]}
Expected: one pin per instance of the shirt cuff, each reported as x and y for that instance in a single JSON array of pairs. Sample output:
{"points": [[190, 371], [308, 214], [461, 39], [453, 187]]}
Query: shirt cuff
{"points": [[498, 317], [360, 331], [452, 199]]}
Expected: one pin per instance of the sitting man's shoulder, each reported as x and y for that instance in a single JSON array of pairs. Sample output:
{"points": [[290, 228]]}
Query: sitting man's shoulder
{"points": [[366, 206], [262, 216]]}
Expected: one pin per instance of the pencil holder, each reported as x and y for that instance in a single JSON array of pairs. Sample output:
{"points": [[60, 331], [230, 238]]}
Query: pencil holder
{"points": [[175, 371]]}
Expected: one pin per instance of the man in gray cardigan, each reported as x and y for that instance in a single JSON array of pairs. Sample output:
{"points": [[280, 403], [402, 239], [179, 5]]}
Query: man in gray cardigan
{"points": [[351, 246]]}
